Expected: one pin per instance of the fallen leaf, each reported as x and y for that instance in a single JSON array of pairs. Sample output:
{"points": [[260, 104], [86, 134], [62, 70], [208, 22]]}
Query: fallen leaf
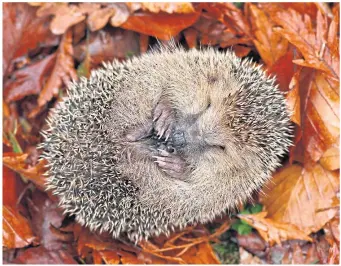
{"points": [[64, 16], [23, 32], [252, 242], [318, 50], [109, 257], [17, 162], [330, 160], [162, 26], [121, 14], [62, 72], [295, 195], [17, 231], [168, 7], [13, 186], [28, 80], [99, 18], [272, 231], [320, 113], [45, 214], [40, 255], [248, 258], [270, 45], [106, 45], [200, 254]]}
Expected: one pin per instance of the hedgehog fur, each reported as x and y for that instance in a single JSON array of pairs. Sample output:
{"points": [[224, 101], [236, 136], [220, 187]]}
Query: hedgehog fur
{"points": [[234, 126]]}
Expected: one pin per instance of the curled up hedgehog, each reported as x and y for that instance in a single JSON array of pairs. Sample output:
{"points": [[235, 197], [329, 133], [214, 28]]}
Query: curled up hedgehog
{"points": [[164, 140]]}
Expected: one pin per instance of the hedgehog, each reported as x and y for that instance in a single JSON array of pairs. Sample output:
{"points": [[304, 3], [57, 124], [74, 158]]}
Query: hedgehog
{"points": [[168, 139]]}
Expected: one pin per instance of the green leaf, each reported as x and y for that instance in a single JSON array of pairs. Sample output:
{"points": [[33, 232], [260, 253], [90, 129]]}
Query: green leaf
{"points": [[256, 208], [236, 225], [244, 229], [245, 211]]}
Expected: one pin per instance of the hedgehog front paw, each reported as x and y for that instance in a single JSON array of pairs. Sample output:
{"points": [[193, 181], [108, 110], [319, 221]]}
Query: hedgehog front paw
{"points": [[139, 132], [163, 118], [172, 164]]}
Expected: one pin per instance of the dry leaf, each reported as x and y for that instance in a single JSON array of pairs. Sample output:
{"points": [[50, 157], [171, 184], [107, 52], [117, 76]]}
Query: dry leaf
{"points": [[318, 49], [28, 80], [17, 162], [167, 7], [295, 195], [162, 26], [248, 258], [271, 46], [320, 114], [17, 231], [62, 72], [23, 32], [272, 231], [64, 16], [331, 158], [99, 18]]}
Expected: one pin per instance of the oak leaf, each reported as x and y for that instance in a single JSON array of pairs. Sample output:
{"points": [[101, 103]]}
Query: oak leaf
{"points": [[272, 231], [331, 158], [17, 231], [167, 7], [296, 195]]}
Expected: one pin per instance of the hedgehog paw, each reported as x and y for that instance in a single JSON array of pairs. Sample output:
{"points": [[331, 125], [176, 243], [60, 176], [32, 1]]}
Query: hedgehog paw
{"points": [[163, 118], [139, 132], [171, 164]]}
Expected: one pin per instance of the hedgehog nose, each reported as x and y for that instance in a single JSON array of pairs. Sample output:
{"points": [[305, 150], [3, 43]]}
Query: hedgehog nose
{"points": [[178, 139]]}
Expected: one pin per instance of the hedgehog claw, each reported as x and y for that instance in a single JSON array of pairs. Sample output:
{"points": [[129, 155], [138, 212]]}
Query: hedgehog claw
{"points": [[163, 119]]}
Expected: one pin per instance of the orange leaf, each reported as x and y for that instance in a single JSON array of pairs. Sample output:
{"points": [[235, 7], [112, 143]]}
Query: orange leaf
{"points": [[320, 113], [99, 18], [62, 72], [168, 7], [200, 254], [17, 231], [110, 257], [331, 158], [64, 16], [295, 195], [318, 50], [272, 231], [17, 162], [162, 26], [270, 45]]}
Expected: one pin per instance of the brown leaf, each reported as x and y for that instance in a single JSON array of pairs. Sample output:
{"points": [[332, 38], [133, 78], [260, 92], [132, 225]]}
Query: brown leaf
{"points": [[162, 26], [248, 258], [17, 162], [320, 113], [64, 16], [272, 231], [168, 7], [270, 45], [23, 32], [318, 50], [62, 72], [295, 195], [200, 254], [252, 242], [45, 214], [110, 257], [121, 14], [99, 18], [17, 231], [232, 17], [294, 100], [40, 255], [28, 80], [330, 160], [108, 44]]}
